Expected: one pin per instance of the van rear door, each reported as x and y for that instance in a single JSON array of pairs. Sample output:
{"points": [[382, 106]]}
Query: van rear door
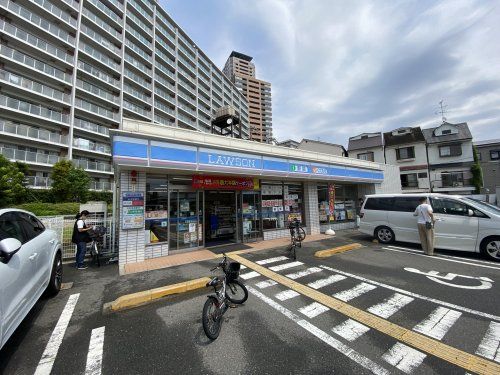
{"points": [[374, 214], [401, 219]]}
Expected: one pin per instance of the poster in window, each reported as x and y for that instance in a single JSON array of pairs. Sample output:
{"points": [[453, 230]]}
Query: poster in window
{"points": [[192, 227], [184, 205]]}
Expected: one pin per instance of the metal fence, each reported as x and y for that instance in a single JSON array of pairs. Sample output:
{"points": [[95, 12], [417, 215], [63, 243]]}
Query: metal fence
{"points": [[63, 226]]}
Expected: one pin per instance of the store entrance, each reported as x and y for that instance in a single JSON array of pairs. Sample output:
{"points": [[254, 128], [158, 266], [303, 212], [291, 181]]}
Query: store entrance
{"points": [[220, 218]]}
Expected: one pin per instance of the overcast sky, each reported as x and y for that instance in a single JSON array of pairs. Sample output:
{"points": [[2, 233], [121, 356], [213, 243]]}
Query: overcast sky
{"points": [[341, 68]]}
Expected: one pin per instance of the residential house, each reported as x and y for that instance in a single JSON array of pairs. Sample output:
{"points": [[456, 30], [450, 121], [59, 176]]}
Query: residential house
{"points": [[488, 153], [322, 147], [367, 146], [449, 152], [288, 143], [406, 148]]}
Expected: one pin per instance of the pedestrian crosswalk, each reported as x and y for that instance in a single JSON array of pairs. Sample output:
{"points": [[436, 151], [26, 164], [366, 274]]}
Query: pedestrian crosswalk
{"points": [[438, 320]]}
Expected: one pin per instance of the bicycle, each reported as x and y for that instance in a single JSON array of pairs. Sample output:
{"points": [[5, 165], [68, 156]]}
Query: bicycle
{"points": [[297, 235], [97, 235], [228, 289]]}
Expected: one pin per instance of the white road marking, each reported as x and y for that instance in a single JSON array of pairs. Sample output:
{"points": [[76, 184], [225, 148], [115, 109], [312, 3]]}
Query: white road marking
{"points": [[490, 345], [242, 267], [358, 290], [403, 357], [303, 273], [271, 260], [438, 323], [390, 305], [49, 355], [419, 253], [324, 282], [249, 275], [94, 357], [350, 329], [265, 284], [313, 310], [286, 294], [323, 336], [415, 295], [285, 266]]}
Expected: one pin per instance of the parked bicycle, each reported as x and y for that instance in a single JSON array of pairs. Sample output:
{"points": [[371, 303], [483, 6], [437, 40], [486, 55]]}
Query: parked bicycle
{"points": [[228, 290], [97, 235], [297, 235]]}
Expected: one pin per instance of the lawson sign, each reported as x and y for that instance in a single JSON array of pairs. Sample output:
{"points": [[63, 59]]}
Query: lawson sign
{"points": [[133, 151]]}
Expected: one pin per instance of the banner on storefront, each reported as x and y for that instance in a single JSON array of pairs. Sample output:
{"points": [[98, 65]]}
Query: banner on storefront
{"points": [[225, 183], [331, 201]]}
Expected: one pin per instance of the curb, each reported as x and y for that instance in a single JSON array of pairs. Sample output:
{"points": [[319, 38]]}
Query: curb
{"points": [[336, 250], [141, 298]]}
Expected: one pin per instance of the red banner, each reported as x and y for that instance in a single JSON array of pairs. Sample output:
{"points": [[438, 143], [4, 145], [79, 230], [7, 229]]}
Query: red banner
{"points": [[331, 201], [225, 183]]}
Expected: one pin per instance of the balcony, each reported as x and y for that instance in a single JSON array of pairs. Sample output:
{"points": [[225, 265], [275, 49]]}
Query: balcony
{"points": [[187, 120], [91, 127], [163, 120], [164, 70], [102, 58], [85, 144], [72, 3], [136, 94], [101, 186], [32, 133], [27, 84], [453, 182], [135, 108], [140, 10], [36, 42], [165, 21], [55, 11], [148, 30], [33, 109], [138, 65], [28, 156], [163, 95], [137, 50], [164, 108], [100, 40], [97, 73], [103, 25], [93, 166], [38, 21], [105, 10], [96, 110], [188, 54], [38, 182], [96, 91], [186, 109], [165, 83], [135, 78], [187, 99], [140, 38]]}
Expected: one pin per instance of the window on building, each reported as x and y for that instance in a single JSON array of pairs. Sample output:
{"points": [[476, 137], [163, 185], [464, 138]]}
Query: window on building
{"points": [[495, 154], [422, 175], [452, 179], [409, 180], [366, 156], [344, 204], [156, 215], [405, 153], [450, 150], [281, 203], [447, 131]]}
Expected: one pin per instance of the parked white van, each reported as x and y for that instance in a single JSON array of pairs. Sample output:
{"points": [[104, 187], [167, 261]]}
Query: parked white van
{"points": [[462, 223]]}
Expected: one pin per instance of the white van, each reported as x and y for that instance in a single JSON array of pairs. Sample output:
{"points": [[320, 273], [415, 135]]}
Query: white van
{"points": [[462, 223]]}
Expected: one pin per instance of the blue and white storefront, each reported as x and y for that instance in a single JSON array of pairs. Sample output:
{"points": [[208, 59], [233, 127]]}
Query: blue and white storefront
{"points": [[180, 190]]}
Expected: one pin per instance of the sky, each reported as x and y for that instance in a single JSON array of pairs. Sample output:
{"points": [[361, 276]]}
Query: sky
{"points": [[340, 68]]}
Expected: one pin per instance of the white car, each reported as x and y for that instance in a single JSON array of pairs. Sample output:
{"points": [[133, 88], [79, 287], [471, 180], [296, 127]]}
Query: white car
{"points": [[30, 264], [462, 223]]}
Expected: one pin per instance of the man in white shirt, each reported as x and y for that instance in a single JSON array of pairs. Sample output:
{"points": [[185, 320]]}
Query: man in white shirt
{"points": [[425, 225]]}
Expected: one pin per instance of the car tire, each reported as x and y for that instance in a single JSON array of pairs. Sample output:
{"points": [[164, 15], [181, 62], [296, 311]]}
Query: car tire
{"points": [[490, 248], [384, 235], [56, 275]]}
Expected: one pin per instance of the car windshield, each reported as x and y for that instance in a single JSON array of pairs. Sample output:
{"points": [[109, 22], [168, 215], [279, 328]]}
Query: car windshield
{"points": [[484, 205]]}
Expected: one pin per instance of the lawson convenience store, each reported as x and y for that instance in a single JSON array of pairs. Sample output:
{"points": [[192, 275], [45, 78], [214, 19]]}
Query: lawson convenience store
{"points": [[180, 190]]}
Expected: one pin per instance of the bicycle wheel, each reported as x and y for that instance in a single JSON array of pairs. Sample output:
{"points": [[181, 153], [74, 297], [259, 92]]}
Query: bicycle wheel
{"points": [[293, 250], [211, 319], [236, 292], [301, 234]]}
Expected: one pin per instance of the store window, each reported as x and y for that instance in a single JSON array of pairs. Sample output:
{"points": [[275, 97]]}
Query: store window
{"points": [[156, 216], [281, 203], [344, 206]]}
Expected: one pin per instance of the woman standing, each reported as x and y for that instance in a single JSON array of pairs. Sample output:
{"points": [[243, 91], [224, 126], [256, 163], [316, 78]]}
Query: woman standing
{"points": [[81, 238]]}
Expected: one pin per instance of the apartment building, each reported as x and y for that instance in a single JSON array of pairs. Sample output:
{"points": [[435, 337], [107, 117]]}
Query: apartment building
{"points": [[406, 148], [71, 70], [488, 153], [367, 146], [240, 69], [450, 157]]}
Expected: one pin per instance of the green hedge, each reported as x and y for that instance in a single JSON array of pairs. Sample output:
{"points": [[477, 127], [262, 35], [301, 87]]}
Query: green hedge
{"points": [[50, 209], [46, 196]]}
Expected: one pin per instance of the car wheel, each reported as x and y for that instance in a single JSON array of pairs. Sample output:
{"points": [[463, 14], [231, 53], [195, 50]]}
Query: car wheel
{"points": [[56, 275], [490, 248], [384, 235]]}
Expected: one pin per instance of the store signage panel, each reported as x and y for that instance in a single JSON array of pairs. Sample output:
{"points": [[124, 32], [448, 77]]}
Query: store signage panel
{"points": [[275, 164], [318, 169], [225, 183], [299, 167], [170, 152], [217, 158], [130, 147], [132, 210]]}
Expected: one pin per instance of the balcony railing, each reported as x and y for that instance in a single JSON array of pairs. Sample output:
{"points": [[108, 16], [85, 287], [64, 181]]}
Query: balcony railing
{"points": [[164, 69], [139, 8], [99, 39], [97, 91], [86, 144], [163, 95], [90, 126], [46, 183], [137, 50], [72, 3], [38, 21], [99, 22], [101, 185], [136, 108], [36, 110], [165, 83], [140, 37], [452, 183], [142, 67], [186, 98], [165, 45], [134, 77], [106, 10], [137, 94], [163, 120], [93, 165], [165, 21], [141, 24], [83, 104], [52, 9], [33, 133], [35, 41], [99, 56], [117, 4], [28, 156], [98, 73], [164, 108]]}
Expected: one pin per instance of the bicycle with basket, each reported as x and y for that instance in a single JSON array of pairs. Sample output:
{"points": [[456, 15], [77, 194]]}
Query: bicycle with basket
{"points": [[297, 235]]}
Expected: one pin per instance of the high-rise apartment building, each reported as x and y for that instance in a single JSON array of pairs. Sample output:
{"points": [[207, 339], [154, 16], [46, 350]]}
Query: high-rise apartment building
{"points": [[70, 70], [241, 70]]}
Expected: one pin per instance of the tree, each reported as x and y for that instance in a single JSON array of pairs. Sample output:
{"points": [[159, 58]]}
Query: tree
{"points": [[69, 184], [12, 182], [477, 172]]}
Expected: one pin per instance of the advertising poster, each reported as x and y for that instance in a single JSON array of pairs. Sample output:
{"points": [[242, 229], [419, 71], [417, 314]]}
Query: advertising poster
{"points": [[331, 201], [192, 227], [132, 210]]}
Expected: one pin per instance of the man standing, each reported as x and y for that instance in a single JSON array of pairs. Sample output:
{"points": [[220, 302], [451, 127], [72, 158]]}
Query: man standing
{"points": [[425, 225]]}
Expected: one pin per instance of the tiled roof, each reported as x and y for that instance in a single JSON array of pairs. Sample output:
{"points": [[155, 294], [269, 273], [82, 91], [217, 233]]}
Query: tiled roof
{"points": [[359, 144], [463, 134], [414, 136]]}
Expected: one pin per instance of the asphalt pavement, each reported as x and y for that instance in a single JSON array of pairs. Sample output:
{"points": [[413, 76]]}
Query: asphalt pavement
{"points": [[282, 328]]}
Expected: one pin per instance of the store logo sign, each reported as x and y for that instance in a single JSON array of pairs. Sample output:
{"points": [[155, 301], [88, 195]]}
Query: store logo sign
{"points": [[319, 170], [299, 168], [231, 161]]}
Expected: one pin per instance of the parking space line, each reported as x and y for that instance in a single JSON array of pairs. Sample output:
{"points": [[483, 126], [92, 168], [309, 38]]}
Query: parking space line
{"points": [[94, 356], [358, 290], [49, 354], [416, 295], [490, 345], [403, 357], [438, 322], [467, 361], [323, 336], [390, 306], [350, 330]]}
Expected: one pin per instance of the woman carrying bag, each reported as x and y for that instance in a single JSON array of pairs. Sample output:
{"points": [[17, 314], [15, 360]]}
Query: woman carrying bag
{"points": [[81, 238]]}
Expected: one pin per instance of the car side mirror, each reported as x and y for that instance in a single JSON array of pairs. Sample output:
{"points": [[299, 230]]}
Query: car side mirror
{"points": [[8, 247], [470, 212]]}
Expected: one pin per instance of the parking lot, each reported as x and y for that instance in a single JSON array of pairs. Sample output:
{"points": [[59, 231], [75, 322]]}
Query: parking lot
{"points": [[360, 311]]}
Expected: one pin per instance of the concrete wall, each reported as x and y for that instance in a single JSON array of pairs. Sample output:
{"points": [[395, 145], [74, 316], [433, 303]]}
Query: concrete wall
{"points": [[378, 154], [420, 155], [434, 158], [391, 183]]}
